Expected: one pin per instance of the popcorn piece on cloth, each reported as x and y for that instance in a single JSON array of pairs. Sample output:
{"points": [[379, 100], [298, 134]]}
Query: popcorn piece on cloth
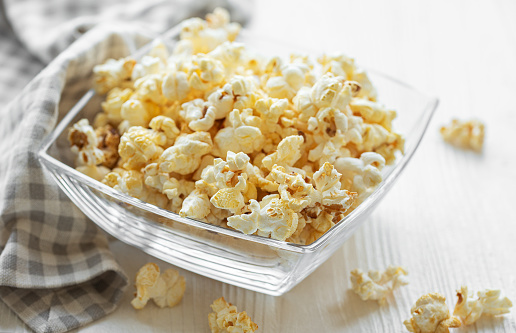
{"points": [[84, 143], [464, 134], [226, 319], [112, 73], [431, 315], [488, 302], [375, 285], [165, 289]]}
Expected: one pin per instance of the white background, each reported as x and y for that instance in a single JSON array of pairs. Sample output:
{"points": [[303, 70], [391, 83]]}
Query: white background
{"points": [[451, 217]]}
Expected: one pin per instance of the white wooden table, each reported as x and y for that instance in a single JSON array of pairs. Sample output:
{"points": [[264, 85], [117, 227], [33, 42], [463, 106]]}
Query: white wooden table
{"points": [[450, 219]]}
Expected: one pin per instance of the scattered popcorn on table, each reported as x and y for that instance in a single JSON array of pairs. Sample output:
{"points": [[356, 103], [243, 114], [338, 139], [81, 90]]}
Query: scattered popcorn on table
{"points": [[164, 289], [488, 302], [375, 285], [431, 315], [464, 134], [226, 319], [274, 147]]}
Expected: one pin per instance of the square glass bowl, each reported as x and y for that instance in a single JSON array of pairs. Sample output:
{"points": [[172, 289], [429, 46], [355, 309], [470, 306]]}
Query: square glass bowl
{"points": [[248, 261]]}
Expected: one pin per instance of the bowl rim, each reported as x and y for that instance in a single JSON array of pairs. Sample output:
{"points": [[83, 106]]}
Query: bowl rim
{"points": [[52, 163]]}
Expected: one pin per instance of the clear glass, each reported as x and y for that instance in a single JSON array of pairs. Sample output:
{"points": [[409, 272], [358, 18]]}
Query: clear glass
{"points": [[248, 261]]}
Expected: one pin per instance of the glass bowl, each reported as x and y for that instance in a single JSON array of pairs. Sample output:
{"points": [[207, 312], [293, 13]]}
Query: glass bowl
{"points": [[248, 261]]}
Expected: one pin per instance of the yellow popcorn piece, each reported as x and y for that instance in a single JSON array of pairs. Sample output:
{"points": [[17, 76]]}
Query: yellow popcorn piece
{"points": [[136, 112], [148, 88], [464, 134], [132, 182], [377, 285], [225, 318], [287, 154], [341, 65], [112, 106], [489, 302], [196, 205], [108, 141], [431, 315], [167, 126], [166, 289], [148, 65], [231, 55], [140, 146], [292, 188], [272, 217], [238, 137], [112, 73], [231, 198], [333, 92], [373, 112], [361, 175], [198, 114], [175, 86], [328, 186], [83, 142], [185, 155], [205, 36]]}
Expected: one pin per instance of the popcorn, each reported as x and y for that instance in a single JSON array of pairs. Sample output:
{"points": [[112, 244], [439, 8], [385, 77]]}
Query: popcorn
{"points": [[185, 155], [167, 126], [108, 141], [196, 205], [198, 114], [175, 86], [205, 72], [112, 73], [238, 137], [464, 134], [272, 217], [230, 54], [83, 141], [375, 285], [205, 36], [373, 112], [131, 182], [488, 302], [431, 315], [288, 152], [148, 88], [214, 132], [112, 106], [138, 113], [165, 289], [341, 65], [148, 65], [140, 146], [225, 318], [361, 175]]}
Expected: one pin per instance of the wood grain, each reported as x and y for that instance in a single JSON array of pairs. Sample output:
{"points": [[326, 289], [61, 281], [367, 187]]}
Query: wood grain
{"points": [[450, 219]]}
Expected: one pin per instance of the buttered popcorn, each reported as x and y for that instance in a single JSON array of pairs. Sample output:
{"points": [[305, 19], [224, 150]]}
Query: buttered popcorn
{"points": [[279, 148]]}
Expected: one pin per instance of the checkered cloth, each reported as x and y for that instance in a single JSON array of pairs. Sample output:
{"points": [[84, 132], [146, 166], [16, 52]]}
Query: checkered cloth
{"points": [[56, 270]]}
